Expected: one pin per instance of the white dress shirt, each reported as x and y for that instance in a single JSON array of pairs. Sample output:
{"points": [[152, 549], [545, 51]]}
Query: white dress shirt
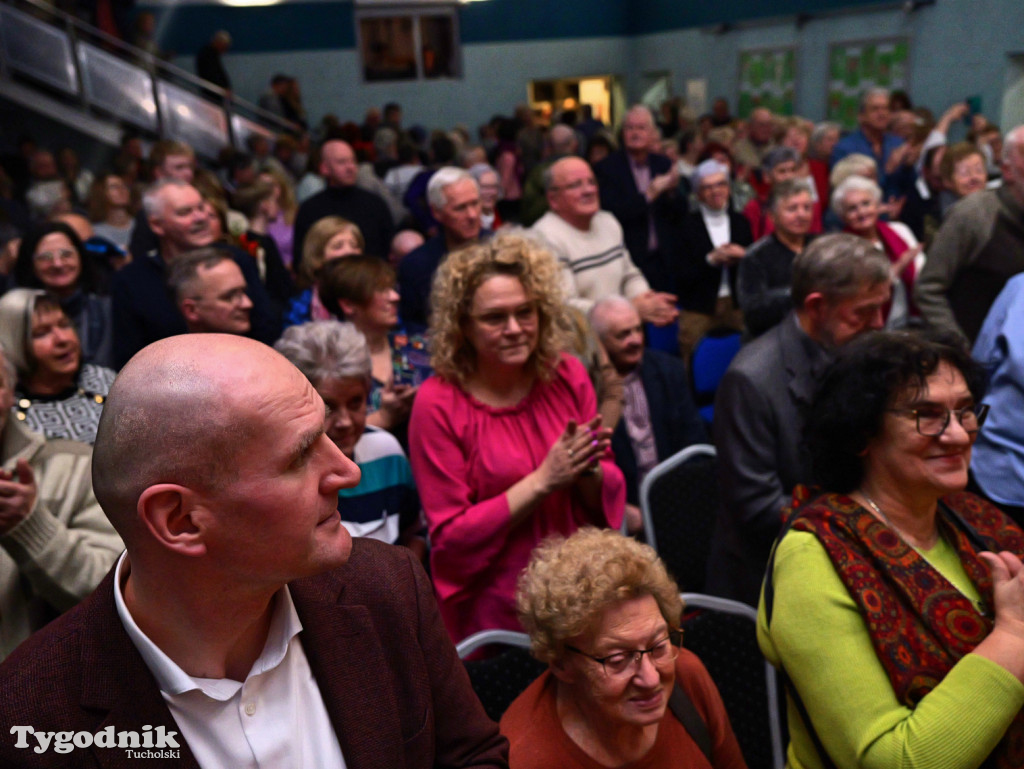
{"points": [[275, 719], [720, 232]]}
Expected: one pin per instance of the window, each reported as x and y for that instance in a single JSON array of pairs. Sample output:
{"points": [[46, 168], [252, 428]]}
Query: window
{"points": [[398, 43]]}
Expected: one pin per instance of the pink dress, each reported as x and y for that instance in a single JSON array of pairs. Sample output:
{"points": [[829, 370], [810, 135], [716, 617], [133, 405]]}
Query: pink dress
{"points": [[465, 455]]}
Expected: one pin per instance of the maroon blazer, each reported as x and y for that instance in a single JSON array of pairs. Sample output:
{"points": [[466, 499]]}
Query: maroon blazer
{"points": [[394, 688]]}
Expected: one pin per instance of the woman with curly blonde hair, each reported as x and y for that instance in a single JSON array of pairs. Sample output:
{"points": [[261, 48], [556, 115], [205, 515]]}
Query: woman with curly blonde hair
{"points": [[505, 441], [603, 613]]}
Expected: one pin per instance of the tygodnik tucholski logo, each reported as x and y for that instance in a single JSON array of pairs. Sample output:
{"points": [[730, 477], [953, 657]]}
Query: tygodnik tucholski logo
{"points": [[149, 743]]}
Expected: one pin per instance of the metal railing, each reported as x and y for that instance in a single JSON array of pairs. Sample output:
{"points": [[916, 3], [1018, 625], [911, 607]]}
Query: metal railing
{"points": [[80, 64]]}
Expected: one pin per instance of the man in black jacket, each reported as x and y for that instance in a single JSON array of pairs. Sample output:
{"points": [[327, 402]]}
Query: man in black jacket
{"points": [[713, 240], [343, 198], [659, 417], [641, 189]]}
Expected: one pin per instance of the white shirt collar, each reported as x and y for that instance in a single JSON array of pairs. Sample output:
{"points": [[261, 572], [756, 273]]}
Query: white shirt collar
{"points": [[707, 213], [284, 625]]}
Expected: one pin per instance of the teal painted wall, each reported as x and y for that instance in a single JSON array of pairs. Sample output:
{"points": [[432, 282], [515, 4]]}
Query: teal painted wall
{"points": [[296, 26], [507, 43]]}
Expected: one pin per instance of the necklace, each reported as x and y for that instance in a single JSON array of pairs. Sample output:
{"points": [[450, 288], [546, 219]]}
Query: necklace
{"points": [[978, 605]]}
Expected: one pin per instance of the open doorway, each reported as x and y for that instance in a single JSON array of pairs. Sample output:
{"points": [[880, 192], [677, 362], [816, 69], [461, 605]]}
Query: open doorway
{"points": [[601, 93]]}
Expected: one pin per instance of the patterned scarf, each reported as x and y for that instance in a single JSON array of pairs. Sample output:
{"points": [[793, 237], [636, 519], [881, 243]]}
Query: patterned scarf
{"points": [[920, 624]]}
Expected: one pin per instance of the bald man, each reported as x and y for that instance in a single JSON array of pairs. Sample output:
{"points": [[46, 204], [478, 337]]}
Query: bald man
{"points": [[590, 248], [243, 626], [339, 167], [562, 142]]}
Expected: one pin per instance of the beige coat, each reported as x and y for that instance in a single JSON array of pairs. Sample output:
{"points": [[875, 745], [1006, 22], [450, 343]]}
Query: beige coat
{"points": [[60, 552]]}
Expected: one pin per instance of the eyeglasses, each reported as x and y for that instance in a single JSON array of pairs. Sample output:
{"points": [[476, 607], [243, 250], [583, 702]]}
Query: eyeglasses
{"points": [[625, 663], [932, 421], [49, 257], [524, 316]]}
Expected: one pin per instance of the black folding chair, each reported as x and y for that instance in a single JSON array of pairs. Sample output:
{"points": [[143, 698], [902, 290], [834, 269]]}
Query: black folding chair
{"points": [[499, 679], [679, 502], [723, 634]]}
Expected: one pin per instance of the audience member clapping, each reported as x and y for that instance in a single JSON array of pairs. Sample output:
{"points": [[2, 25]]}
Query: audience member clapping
{"points": [[55, 542], [504, 442], [896, 588]]}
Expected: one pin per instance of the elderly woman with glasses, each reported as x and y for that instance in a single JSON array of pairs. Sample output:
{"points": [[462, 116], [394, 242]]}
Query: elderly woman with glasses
{"points": [[603, 614], [505, 440], [895, 603]]}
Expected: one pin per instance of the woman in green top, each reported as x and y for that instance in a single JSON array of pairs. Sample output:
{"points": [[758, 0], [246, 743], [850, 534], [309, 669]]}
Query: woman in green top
{"points": [[895, 604]]}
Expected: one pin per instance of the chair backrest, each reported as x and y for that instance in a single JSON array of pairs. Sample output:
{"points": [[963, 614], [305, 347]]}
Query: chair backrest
{"points": [[708, 363], [679, 503], [723, 634], [500, 678], [663, 338]]}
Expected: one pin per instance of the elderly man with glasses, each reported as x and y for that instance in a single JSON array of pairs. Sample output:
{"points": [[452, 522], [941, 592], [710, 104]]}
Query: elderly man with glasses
{"points": [[590, 247]]}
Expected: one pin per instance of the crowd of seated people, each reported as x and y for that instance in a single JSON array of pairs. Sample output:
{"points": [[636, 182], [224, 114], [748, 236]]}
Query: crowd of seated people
{"points": [[387, 263]]}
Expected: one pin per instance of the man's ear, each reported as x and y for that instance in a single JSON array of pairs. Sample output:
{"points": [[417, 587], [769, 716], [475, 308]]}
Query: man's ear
{"points": [[171, 514], [814, 305], [188, 310], [156, 226]]}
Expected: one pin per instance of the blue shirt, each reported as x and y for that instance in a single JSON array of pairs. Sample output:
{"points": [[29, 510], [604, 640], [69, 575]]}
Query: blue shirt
{"points": [[896, 184], [998, 458]]}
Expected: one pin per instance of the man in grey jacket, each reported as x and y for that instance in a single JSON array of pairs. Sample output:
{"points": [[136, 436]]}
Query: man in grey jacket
{"points": [[55, 543], [979, 247], [841, 286]]}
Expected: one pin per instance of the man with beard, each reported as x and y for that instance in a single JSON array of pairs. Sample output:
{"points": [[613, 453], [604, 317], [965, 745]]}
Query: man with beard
{"points": [[841, 286], [143, 309]]}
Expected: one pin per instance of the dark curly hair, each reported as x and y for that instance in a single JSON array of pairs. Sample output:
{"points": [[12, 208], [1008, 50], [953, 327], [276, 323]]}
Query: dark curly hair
{"points": [[866, 378]]}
